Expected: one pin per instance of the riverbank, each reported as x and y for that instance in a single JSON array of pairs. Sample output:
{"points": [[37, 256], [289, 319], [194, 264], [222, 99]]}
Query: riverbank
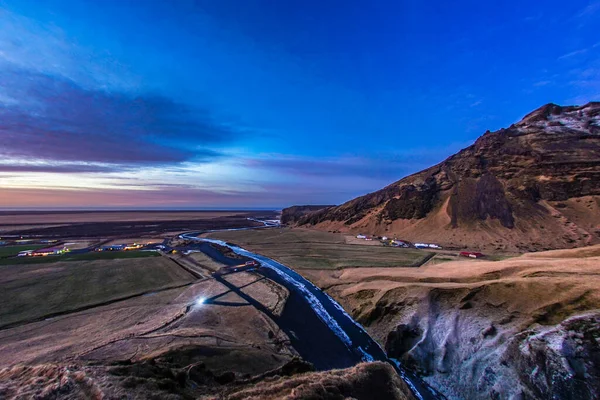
{"points": [[350, 342], [477, 328]]}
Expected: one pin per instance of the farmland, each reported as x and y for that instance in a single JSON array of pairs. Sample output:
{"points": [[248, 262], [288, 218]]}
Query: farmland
{"points": [[105, 255], [9, 251], [32, 291], [308, 249]]}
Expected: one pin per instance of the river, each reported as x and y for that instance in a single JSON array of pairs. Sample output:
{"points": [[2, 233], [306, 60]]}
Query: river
{"points": [[320, 330]]}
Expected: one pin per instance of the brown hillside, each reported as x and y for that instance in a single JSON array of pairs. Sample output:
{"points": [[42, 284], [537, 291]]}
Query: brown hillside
{"points": [[533, 186]]}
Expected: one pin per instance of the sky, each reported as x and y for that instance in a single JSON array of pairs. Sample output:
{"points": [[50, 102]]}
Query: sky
{"points": [[265, 104]]}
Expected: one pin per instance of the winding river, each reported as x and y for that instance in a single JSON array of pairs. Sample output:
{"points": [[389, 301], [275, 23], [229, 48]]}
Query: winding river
{"points": [[320, 330]]}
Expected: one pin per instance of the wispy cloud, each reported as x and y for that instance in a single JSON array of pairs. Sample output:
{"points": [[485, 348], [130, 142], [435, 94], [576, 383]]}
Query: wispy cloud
{"points": [[589, 10], [58, 168], [46, 49], [573, 54]]}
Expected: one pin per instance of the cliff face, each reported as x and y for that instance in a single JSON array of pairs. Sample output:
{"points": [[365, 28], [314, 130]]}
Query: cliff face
{"points": [[523, 328], [532, 186]]}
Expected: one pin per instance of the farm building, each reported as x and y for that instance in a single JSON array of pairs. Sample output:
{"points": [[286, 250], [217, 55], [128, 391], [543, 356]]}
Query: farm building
{"points": [[112, 247], [50, 251], [471, 254], [427, 246]]}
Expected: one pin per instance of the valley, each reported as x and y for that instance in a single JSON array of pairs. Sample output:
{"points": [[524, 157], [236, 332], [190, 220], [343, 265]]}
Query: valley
{"points": [[471, 328]]}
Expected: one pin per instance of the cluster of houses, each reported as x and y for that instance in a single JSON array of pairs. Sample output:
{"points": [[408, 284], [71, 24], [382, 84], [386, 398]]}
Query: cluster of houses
{"points": [[49, 251], [399, 243], [406, 244], [120, 247], [427, 246]]}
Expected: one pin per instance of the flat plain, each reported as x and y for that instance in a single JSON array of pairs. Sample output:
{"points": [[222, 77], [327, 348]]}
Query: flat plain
{"points": [[69, 217], [311, 249], [105, 255]]}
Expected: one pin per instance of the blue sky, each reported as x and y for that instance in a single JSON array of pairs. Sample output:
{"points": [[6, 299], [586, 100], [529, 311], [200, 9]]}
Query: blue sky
{"points": [[190, 104]]}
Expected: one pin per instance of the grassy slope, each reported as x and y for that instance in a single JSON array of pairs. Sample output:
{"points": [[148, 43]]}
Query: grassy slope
{"points": [[300, 248], [31, 291]]}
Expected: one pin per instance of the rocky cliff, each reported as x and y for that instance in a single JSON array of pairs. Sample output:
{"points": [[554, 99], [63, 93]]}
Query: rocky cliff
{"points": [[532, 186], [523, 328]]}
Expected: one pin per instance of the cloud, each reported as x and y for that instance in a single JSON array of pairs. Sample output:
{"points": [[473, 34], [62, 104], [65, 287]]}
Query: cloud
{"points": [[572, 54], [381, 169], [51, 118], [183, 197], [589, 10], [59, 168]]}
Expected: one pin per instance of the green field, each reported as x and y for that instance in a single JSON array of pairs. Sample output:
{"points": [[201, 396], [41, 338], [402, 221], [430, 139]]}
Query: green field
{"points": [[103, 255], [301, 248], [33, 291], [9, 251]]}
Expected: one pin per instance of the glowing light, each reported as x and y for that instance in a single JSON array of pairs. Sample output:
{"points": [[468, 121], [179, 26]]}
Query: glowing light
{"points": [[200, 301]]}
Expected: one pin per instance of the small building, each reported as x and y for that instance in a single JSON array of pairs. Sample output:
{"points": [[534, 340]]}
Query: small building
{"points": [[112, 247], [471, 254], [50, 251]]}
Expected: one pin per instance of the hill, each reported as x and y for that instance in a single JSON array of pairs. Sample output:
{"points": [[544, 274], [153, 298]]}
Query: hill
{"points": [[533, 186], [526, 327], [294, 214]]}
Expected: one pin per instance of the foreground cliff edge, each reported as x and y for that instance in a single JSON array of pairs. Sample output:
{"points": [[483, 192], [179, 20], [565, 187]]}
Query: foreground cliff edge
{"points": [[524, 327], [533, 186], [527, 327]]}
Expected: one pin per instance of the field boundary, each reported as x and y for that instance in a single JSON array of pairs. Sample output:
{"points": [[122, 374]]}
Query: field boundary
{"points": [[90, 306]]}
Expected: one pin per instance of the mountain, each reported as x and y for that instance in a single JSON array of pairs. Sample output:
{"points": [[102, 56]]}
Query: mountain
{"points": [[294, 214], [532, 186]]}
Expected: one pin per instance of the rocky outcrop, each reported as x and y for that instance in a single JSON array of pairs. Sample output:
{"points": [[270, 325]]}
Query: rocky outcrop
{"points": [[154, 379], [524, 328], [503, 186]]}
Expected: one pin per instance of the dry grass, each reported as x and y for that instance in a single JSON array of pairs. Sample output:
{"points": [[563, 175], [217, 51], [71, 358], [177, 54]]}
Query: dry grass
{"points": [[47, 381], [458, 319], [309, 249], [31, 291], [584, 252], [362, 382]]}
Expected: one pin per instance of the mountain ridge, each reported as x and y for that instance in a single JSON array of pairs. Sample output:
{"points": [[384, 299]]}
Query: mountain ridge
{"points": [[532, 186]]}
